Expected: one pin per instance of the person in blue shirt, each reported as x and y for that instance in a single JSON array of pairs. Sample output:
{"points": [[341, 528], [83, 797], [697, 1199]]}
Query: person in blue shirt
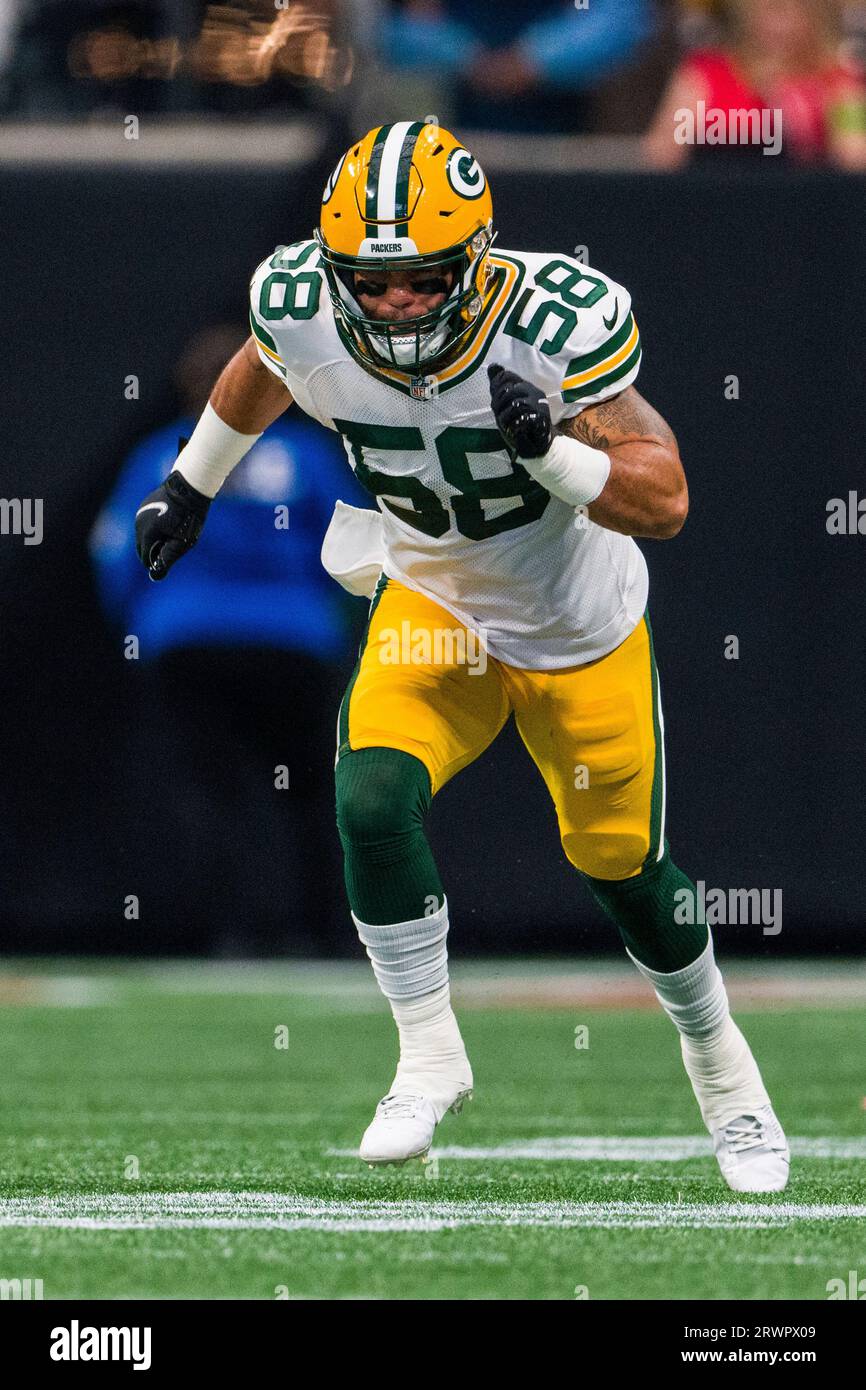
{"points": [[522, 66], [255, 575], [246, 653]]}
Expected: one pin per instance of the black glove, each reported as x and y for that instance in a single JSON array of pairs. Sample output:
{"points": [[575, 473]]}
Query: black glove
{"points": [[168, 523], [521, 411]]}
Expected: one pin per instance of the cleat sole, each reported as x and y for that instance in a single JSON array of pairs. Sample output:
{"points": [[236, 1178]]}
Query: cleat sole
{"points": [[396, 1162]]}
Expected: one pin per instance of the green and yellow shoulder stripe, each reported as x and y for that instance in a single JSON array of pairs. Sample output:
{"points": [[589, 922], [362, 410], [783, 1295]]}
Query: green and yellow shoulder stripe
{"points": [[267, 348], [613, 362]]}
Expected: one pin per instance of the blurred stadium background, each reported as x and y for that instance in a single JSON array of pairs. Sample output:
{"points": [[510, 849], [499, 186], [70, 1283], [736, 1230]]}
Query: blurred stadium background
{"points": [[152, 152]]}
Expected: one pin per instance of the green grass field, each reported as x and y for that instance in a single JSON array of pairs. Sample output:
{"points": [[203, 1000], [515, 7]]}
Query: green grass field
{"points": [[157, 1142]]}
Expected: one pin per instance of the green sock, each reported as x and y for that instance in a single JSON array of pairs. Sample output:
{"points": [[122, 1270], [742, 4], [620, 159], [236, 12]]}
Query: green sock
{"points": [[383, 796], [643, 908]]}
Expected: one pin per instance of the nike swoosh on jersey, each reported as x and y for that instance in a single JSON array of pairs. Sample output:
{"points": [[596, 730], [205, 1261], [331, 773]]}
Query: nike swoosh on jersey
{"points": [[160, 507], [609, 323]]}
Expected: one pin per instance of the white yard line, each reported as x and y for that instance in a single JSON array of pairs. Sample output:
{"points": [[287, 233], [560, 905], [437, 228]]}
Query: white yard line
{"points": [[674, 1149], [275, 1211]]}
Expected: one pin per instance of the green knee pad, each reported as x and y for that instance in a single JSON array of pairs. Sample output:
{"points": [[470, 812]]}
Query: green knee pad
{"points": [[383, 796], [643, 908]]}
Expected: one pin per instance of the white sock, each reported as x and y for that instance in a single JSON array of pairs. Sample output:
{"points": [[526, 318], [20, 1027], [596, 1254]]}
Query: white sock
{"points": [[410, 962], [719, 1061], [433, 1058]]}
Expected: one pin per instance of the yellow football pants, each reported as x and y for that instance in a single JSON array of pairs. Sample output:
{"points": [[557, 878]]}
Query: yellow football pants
{"points": [[594, 731]]}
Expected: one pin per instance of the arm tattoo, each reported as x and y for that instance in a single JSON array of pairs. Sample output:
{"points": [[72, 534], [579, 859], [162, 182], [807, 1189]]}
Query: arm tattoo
{"points": [[624, 419]]}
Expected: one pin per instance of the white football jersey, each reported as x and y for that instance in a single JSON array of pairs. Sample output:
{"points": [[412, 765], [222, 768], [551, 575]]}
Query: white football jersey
{"points": [[463, 521]]}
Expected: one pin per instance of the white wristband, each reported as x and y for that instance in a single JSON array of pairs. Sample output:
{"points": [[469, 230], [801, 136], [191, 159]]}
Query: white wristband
{"points": [[571, 470], [212, 452]]}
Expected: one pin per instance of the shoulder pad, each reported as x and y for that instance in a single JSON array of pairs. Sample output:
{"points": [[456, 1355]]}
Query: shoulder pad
{"points": [[285, 289], [580, 324]]}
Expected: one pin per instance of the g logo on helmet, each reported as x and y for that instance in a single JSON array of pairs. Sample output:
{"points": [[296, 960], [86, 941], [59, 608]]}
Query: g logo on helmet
{"points": [[332, 181], [465, 174]]}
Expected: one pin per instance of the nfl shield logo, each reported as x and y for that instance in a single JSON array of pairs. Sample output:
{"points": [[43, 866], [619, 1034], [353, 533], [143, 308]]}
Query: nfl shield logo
{"points": [[422, 388]]}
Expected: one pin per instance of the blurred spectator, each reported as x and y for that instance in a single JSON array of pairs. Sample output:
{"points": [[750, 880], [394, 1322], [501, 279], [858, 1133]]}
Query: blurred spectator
{"points": [[785, 55], [250, 643], [75, 56], [521, 66], [67, 57]]}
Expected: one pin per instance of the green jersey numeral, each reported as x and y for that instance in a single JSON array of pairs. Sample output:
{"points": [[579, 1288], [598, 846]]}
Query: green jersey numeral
{"points": [[564, 287], [528, 332], [453, 446], [428, 514], [295, 300]]}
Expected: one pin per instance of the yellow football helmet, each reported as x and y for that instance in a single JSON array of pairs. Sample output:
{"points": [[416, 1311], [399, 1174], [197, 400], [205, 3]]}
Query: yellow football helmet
{"points": [[407, 196]]}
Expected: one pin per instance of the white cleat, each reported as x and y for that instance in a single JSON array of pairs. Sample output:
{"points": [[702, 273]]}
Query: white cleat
{"points": [[753, 1152], [403, 1127]]}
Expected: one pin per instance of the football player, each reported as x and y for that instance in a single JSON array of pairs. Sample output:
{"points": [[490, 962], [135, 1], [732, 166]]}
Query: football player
{"points": [[486, 400]]}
